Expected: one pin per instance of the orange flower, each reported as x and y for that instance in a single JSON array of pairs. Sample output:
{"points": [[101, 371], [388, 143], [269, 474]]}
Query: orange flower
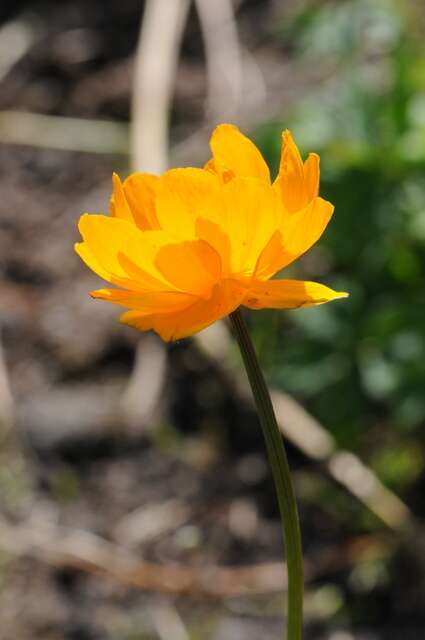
{"points": [[190, 246]]}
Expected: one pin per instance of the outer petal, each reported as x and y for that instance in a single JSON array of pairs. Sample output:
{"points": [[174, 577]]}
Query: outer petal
{"points": [[271, 258], [302, 229], [147, 303], [252, 216], [225, 298], [298, 232], [120, 253], [118, 203], [82, 249], [312, 175], [298, 183], [147, 261], [234, 152], [289, 294], [140, 192]]}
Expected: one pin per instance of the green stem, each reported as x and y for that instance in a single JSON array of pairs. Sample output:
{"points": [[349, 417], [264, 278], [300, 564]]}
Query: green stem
{"points": [[281, 475]]}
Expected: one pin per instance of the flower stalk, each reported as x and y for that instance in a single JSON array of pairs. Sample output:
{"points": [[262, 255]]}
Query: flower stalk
{"points": [[281, 476]]}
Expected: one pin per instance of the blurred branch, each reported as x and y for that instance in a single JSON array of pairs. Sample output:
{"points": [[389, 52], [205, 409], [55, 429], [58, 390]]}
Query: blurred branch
{"points": [[68, 134], [223, 58], [156, 62], [167, 622], [62, 546], [308, 435], [236, 83], [16, 39], [7, 408], [139, 401], [73, 548], [151, 521], [352, 473]]}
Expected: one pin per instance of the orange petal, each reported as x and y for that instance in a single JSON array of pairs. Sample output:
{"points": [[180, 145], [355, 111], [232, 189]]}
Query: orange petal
{"points": [[118, 203], [298, 183], [252, 215], [111, 244], [289, 294], [192, 266], [224, 174], [148, 303], [88, 258], [140, 191], [212, 234], [182, 196], [234, 152], [312, 175], [225, 298], [302, 229], [298, 232], [243, 214], [272, 257]]}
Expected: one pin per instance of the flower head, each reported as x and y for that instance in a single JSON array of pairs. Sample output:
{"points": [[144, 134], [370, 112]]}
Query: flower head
{"points": [[188, 247]]}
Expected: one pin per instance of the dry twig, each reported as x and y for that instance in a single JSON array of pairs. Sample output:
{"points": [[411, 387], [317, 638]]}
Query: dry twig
{"points": [[65, 547], [77, 549], [63, 133]]}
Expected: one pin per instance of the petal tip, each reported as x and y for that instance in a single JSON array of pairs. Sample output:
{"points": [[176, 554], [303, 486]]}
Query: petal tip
{"points": [[223, 128], [226, 125], [84, 218], [99, 294]]}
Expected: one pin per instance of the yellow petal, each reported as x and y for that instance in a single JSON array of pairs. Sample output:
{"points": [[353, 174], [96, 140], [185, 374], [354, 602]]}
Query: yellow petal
{"points": [[252, 215], [298, 183], [213, 235], [112, 244], [192, 266], [118, 203], [86, 256], [289, 294], [225, 298], [234, 152], [224, 174], [182, 195], [302, 229], [148, 303], [242, 214], [140, 192], [298, 232], [272, 257], [312, 175]]}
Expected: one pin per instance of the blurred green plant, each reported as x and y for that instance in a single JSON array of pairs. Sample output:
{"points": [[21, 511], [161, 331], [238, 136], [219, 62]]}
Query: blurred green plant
{"points": [[359, 366]]}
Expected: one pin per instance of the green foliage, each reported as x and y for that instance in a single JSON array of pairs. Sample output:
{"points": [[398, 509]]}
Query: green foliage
{"points": [[358, 363]]}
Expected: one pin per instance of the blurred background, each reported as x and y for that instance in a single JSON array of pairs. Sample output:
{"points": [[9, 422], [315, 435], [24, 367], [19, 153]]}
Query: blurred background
{"points": [[136, 500]]}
